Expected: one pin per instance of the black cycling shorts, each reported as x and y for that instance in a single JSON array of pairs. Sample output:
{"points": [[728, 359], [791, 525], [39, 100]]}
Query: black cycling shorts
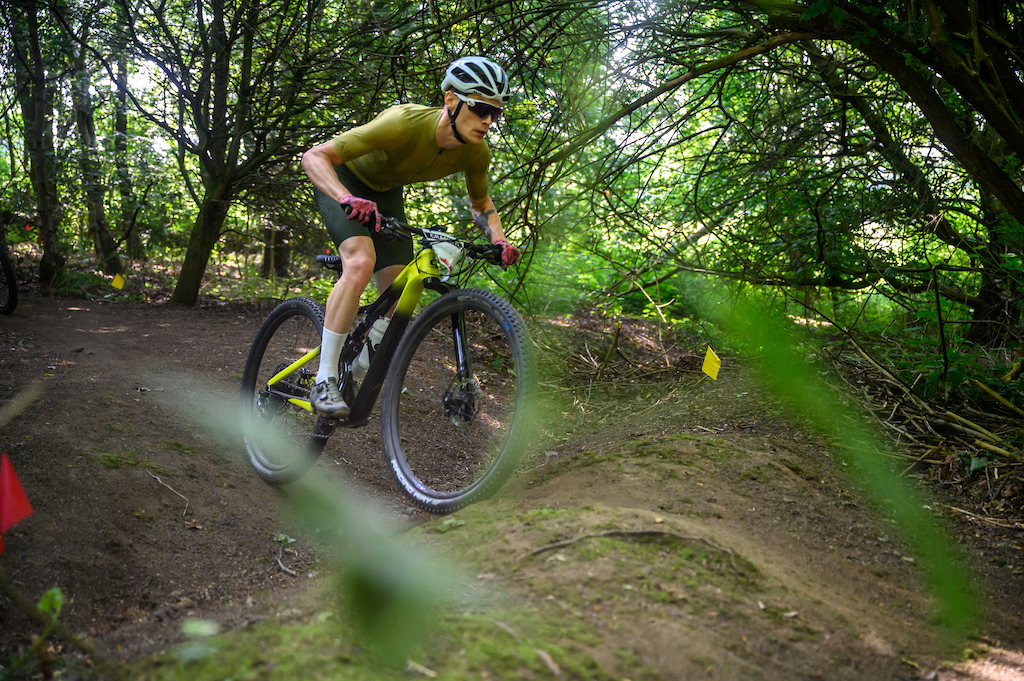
{"points": [[340, 227]]}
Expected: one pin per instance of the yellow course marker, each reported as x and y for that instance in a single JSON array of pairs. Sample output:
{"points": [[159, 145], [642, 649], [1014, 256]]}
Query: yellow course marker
{"points": [[712, 364], [118, 282]]}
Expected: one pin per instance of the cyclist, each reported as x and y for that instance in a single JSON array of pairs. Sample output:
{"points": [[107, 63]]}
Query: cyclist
{"points": [[360, 175]]}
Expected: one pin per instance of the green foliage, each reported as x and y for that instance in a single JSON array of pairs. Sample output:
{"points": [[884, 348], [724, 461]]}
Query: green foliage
{"points": [[201, 643], [788, 375], [462, 644], [386, 590], [36, 659], [805, 170], [78, 284]]}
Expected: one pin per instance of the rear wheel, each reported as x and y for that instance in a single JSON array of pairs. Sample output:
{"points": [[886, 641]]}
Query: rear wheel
{"points": [[282, 439], [454, 411], [8, 284]]}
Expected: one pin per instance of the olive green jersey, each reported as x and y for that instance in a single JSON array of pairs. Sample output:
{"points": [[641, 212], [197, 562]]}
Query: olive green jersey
{"points": [[399, 147]]}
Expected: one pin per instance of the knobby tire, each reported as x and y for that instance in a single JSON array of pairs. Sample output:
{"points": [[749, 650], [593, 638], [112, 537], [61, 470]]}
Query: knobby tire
{"points": [[280, 437], [454, 441], [8, 284]]}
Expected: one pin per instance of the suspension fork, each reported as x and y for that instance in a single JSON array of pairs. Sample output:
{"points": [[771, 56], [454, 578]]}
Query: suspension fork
{"points": [[461, 396], [464, 363]]}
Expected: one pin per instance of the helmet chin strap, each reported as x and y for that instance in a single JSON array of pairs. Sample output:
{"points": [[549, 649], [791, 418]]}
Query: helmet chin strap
{"points": [[451, 119]]}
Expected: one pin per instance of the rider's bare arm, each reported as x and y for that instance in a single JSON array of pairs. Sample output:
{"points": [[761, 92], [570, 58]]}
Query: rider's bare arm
{"points": [[319, 164], [485, 217]]}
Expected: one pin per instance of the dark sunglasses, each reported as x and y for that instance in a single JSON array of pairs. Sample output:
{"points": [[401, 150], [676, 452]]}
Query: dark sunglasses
{"points": [[482, 109]]}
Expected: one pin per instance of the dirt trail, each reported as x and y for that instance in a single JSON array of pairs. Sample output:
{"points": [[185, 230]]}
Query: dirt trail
{"points": [[142, 518]]}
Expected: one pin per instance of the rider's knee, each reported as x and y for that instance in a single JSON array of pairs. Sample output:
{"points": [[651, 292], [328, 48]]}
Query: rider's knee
{"points": [[358, 268]]}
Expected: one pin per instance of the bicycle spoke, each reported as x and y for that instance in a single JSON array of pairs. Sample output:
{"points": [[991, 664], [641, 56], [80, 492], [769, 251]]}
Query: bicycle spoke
{"points": [[279, 434], [456, 409]]}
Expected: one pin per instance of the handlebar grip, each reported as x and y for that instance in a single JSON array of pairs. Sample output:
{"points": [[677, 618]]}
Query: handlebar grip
{"points": [[488, 252]]}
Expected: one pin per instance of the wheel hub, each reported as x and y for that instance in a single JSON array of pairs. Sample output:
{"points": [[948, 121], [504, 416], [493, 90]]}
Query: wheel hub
{"points": [[460, 401]]}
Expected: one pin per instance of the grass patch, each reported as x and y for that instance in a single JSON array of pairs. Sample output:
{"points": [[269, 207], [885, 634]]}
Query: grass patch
{"points": [[176, 446], [129, 459], [498, 644]]}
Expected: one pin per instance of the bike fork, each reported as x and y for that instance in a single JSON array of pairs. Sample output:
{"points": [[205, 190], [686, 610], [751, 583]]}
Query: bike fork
{"points": [[463, 362]]}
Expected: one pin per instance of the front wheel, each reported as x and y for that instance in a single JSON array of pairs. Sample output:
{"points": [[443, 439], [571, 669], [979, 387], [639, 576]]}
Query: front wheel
{"points": [[454, 410], [282, 440]]}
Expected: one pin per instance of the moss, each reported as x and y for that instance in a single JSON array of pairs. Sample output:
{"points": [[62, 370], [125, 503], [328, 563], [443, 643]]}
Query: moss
{"points": [[176, 446], [517, 643], [112, 461], [757, 473]]}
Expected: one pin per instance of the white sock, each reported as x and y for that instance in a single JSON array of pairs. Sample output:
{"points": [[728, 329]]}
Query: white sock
{"points": [[330, 354]]}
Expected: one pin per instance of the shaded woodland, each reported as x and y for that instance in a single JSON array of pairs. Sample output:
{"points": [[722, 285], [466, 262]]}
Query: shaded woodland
{"points": [[855, 165]]}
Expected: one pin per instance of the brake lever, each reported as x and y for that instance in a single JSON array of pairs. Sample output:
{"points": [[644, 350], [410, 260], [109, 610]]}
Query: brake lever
{"points": [[495, 254], [390, 231]]}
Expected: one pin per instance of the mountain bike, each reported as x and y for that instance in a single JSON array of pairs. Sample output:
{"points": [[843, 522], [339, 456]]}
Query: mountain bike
{"points": [[456, 380], [8, 283]]}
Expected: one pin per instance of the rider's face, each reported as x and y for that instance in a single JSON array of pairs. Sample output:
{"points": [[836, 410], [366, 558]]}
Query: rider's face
{"points": [[472, 128]]}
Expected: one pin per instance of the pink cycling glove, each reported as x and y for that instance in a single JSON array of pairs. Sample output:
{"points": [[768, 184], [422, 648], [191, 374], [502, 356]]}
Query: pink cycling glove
{"points": [[362, 210], [509, 253]]}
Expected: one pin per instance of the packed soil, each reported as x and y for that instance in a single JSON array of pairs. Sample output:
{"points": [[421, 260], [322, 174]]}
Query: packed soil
{"points": [[146, 512]]}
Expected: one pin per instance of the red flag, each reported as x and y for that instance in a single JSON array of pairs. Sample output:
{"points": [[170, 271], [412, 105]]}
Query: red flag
{"points": [[14, 505]]}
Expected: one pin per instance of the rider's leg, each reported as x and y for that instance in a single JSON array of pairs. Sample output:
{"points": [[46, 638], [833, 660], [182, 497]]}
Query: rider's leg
{"points": [[357, 257], [360, 253], [384, 278]]}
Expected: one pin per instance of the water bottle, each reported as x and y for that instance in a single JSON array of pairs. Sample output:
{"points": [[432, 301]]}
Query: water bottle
{"points": [[362, 362]]}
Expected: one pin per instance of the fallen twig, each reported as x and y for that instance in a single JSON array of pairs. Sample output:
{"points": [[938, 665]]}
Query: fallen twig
{"points": [[972, 425], [921, 458], [549, 662], [417, 668], [996, 396], [1015, 371], [280, 549], [611, 350], [983, 519], [509, 630], [997, 450], [157, 478]]}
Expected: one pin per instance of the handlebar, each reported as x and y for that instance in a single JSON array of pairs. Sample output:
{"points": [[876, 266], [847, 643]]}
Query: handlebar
{"points": [[396, 229]]}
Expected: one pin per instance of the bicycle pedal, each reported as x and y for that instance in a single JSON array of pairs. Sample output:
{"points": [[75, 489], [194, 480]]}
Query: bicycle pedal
{"points": [[331, 423]]}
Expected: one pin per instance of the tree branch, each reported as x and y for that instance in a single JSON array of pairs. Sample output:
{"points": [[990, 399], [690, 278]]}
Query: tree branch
{"points": [[730, 60]]}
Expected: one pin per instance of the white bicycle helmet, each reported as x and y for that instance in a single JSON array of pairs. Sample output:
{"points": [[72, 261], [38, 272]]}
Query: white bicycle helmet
{"points": [[477, 76]]}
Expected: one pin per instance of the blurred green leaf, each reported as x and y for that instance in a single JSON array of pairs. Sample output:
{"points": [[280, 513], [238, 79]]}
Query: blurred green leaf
{"points": [[773, 343], [52, 603], [449, 524]]}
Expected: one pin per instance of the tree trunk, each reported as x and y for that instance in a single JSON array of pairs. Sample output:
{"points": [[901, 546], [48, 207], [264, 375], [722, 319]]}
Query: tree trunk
{"points": [[994, 311], [36, 108], [92, 180], [275, 253], [204, 236], [127, 223], [948, 129]]}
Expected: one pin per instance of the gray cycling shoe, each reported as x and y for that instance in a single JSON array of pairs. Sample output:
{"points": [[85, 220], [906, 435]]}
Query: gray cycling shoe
{"points": [[326, 399]]}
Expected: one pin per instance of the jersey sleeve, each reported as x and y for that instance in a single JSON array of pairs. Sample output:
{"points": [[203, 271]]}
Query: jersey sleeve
{"points": [[477, 171], [377, 135]]}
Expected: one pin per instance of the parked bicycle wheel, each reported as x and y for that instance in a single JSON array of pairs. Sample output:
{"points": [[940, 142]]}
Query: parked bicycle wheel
{"points": [[454, 413], [282, 439], [8, 284]]}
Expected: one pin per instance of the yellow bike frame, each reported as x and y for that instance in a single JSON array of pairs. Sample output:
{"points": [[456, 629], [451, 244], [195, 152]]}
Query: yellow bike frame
{"points": [[407, 287]]}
